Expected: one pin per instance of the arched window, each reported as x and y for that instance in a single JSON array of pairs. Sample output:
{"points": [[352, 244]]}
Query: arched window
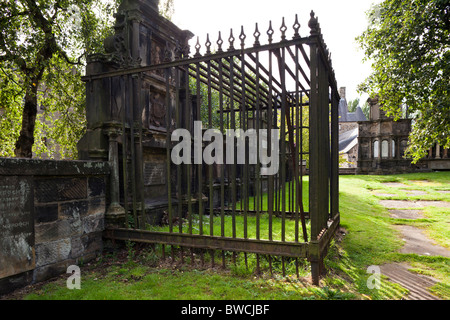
{"points": [[376, 149], [393, 149], [384, 149]]}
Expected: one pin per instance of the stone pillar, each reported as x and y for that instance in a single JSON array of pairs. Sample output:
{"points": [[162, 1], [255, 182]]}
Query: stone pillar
{"points": [[115, 215], [438, 151], [445, 155]]}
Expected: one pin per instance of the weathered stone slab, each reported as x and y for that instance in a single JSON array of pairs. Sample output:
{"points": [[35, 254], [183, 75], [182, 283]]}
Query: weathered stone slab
{"points": [[60, 229], [417, 242], [60, 189], [16, 225], [73, 210], [154, 173], [414, 204], [46, 213], [96, 186], [406, 214], [93, 223], [415, 192], [52, 252]]}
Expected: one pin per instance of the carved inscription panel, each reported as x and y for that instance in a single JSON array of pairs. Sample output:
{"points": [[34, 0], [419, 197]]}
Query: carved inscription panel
{"points": [[154, 173], [16, 226]]}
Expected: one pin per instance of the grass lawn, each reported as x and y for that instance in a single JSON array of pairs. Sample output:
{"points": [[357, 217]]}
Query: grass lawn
{"points": [[367, 238]]}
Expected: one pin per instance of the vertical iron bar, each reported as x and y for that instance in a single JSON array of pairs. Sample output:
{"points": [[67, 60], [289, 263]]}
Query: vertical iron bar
{"points": [[222, 167], [270, 194], [244, 122], [281, 66], [233, 166], [140, 158], [314, 147], [125, 151], [178, 120], [298, 133], [210, 167], [334, 154], [257, 181], [168, 143], [187, 124], [130, 92], [301, 128], [199, 165]]}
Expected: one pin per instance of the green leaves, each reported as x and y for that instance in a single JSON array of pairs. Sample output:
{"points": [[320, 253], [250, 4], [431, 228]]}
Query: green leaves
{"points": [[43, 45], [409, 44]]}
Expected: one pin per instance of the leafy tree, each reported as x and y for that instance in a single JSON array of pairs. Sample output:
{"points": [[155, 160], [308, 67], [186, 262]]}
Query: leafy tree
{"points": [[43, 45], [166, 8], [366, 109], [352, 104], [409, 44]]}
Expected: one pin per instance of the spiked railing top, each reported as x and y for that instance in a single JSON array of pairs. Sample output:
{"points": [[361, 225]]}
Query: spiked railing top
{"points": [[313, 24]]}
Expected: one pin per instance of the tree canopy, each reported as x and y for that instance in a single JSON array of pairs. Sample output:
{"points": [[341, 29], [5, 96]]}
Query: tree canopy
{"points": [[43, 45], [43, 50], [409, 44]]}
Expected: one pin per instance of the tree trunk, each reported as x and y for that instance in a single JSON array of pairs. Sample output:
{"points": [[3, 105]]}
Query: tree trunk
{"points": [[24, 143]]}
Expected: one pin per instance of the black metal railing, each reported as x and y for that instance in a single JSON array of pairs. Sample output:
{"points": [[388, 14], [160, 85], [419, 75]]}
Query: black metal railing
{"points": [[231, 205]]}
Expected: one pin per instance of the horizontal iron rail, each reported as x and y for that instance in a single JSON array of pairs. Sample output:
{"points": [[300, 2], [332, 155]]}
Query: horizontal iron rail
{"points": [[183, 62], [289, 214], [269, 247], [329, 233]]}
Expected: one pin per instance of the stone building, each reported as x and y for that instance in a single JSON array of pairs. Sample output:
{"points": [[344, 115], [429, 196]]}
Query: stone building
{"points": [[382, 143], [348, 131]]}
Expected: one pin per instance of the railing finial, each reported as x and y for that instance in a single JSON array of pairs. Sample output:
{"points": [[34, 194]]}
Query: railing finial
{"points": [[283, 29], [313, 24], [296, 27], [219, 43], [231, 41], [197, 48], [270, 31], [242, 36], [256, 34]]}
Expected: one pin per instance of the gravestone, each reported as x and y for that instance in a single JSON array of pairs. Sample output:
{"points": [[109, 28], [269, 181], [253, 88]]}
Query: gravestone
{"points": [[16, 226]]}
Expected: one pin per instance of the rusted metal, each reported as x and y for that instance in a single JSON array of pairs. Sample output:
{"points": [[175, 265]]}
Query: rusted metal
{"points": [[246, 89], [276, 248]]}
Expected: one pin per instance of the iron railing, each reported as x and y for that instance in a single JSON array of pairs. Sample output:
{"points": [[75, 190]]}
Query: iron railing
{"points": [[231, 206]]}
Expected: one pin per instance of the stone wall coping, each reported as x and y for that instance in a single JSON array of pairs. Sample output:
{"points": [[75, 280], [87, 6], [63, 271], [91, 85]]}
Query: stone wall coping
{"points": [[39, 167]]}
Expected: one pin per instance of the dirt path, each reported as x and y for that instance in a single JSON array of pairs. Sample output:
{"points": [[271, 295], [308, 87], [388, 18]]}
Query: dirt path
{"points": [[415, 242]]}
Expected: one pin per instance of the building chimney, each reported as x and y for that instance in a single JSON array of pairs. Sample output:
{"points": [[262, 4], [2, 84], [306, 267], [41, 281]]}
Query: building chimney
{"points": [[342, 92]]}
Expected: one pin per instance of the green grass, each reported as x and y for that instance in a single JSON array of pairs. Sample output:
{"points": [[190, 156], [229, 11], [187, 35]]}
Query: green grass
{"points": [[370, 239]]}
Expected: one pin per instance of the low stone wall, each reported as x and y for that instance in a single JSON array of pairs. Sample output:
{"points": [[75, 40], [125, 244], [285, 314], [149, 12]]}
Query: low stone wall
{"points": [[51, 217]]}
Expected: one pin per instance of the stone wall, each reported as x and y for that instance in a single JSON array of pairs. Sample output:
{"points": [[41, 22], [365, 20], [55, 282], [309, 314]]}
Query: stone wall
{"points": [[381, 147], [51, 216]]}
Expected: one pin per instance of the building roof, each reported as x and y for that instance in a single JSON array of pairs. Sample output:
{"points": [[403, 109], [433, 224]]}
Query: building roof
{"points": [[345, 116], [348, 140]]}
